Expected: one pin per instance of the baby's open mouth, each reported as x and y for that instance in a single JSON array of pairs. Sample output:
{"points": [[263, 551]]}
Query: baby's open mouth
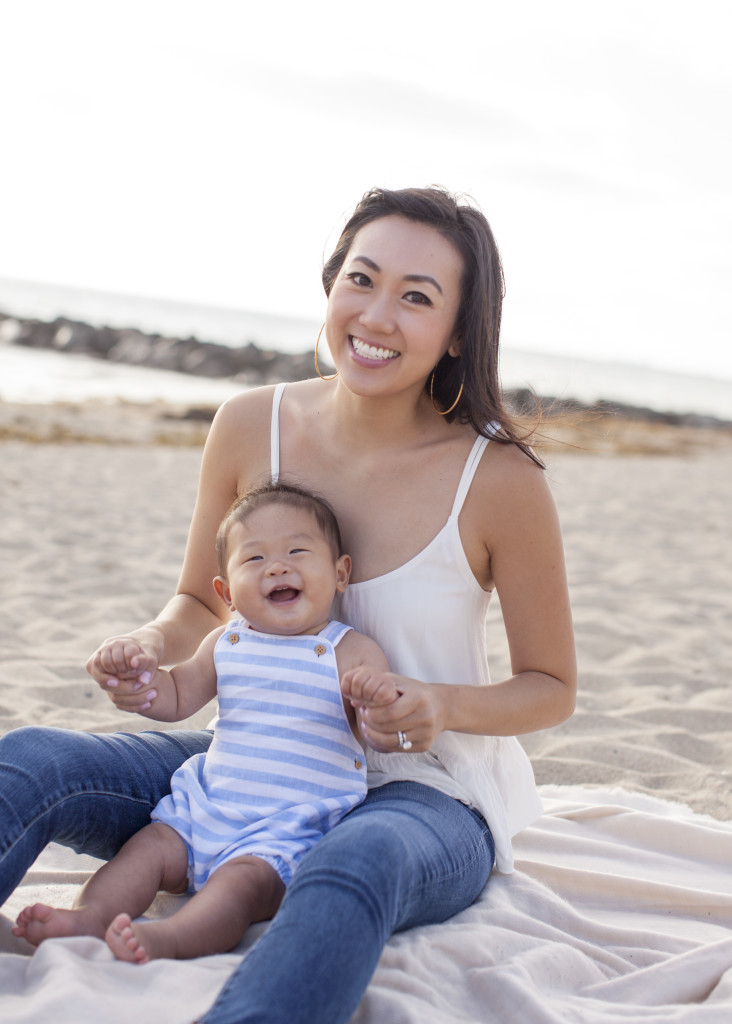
{"points": [[283, 594]]}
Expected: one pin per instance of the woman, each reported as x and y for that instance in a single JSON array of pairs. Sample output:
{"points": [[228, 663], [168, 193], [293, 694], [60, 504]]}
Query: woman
{"points": [[440, 502]]}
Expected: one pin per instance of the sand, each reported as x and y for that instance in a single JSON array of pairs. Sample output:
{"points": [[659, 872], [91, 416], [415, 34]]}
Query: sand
{"points": [[94, 506], [621, 906]]}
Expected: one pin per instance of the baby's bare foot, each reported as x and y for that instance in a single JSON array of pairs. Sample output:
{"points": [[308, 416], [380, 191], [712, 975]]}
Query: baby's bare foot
{"points": [[39, 922], [123, 941]]}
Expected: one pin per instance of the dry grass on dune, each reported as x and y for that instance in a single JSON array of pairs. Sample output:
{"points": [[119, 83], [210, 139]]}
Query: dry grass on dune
{"points": [[121, 422]]}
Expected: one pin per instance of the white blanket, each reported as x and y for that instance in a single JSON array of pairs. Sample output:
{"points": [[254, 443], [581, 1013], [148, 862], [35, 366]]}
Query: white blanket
{"points": [[620, 910]]}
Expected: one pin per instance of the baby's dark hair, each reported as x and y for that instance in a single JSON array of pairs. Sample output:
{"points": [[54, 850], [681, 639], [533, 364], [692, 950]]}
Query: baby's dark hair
{"points": [[279, 494]]}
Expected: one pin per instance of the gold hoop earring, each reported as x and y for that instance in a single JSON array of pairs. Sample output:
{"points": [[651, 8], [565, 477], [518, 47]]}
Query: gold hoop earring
{"points": [[315, 355], [432, 396]]}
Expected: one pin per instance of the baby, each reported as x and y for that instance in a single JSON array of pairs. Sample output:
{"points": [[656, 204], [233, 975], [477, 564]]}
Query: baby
{"points": [[284, 764]]}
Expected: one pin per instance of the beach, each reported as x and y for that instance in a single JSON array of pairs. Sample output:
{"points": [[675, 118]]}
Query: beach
{"points": [[96, 500], [620, 906]]}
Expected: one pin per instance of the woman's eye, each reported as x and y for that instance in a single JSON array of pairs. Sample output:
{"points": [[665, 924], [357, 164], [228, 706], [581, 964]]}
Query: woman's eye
{"points": [[419, 298], [359, 278]]}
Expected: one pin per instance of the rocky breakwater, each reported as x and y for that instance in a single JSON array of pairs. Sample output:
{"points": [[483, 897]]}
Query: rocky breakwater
{"points": [[247, 363]]}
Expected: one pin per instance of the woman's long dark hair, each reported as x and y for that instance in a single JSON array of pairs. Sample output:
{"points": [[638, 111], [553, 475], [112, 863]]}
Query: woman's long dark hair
{"points": [[479, 317]]}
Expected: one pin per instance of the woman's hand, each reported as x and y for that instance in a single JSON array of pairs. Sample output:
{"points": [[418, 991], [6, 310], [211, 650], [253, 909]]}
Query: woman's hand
{"points": [[124, 667], [387, 705]]}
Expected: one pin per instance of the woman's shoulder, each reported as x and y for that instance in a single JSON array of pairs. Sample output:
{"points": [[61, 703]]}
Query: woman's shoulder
{"points": [[249, 404], [245, 414], [239, 441], [507, 477], [255, 404]]}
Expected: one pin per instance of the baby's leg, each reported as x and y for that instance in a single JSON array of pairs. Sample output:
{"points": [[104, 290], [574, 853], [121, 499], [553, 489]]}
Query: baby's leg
{"points": [[241, 892], [154, 858]]}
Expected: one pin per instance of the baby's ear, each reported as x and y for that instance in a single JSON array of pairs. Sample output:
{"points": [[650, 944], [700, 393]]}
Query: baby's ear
{"points": [[222, 589], [343, 572]]}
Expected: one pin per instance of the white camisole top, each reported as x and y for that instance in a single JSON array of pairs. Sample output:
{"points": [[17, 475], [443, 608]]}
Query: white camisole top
{"points": [[428, 616]]}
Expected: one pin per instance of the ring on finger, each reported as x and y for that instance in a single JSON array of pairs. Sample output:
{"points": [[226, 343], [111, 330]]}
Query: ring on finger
{"points": [[404, 743]]}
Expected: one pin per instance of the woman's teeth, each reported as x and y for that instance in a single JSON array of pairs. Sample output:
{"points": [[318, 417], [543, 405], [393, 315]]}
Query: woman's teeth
{"points": [[371, 351]]}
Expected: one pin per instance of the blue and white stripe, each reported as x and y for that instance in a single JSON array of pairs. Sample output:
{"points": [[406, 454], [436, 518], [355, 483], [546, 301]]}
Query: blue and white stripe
{"points": [[283, 766]]}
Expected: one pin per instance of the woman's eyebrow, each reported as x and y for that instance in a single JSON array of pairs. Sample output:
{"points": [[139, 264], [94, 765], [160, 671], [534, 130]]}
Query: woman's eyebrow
{"points": [[423, 279], [415, 278]]}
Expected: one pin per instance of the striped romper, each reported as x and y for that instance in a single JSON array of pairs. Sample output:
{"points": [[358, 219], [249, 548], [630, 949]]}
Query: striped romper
{"points": [[283, 766]]}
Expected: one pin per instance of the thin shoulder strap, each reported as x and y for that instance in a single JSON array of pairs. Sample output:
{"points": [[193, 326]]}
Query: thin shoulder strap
{"points": [[335, 631], [469, 470], [274, 440]]}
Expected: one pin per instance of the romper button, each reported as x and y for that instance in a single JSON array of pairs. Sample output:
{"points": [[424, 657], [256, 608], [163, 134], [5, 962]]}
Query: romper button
{"points": [[233, 638], [357, 765], [320, 649]]}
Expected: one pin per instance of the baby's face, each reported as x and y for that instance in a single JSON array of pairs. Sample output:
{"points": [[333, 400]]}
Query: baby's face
{"points": [[282, 574]]}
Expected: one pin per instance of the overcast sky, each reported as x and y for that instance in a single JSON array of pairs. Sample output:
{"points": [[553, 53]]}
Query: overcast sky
{"points": [[209, 152]]}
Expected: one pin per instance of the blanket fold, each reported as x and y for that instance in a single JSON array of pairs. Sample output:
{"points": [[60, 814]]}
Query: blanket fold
{"points": [[620, 910]]}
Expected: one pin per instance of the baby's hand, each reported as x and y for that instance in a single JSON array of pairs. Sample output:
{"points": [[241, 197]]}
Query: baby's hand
{"points": [[394, 712], [124, 669], [367, 686]]}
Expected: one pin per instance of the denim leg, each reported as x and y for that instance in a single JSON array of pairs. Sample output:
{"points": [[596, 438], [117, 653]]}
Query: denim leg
{"points": [[89, 792], [407, 856]]}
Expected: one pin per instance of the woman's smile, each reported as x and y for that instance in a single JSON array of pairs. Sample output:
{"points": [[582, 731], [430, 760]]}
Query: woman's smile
{"points": [[366, 352]]}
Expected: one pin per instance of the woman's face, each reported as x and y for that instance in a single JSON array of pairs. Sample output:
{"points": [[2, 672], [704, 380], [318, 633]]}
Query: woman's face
{"points": [[393, 306]]}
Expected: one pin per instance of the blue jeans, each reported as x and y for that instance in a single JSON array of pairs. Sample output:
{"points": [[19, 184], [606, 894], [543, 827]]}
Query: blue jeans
{"points": [[85, 791], [408, 855]]}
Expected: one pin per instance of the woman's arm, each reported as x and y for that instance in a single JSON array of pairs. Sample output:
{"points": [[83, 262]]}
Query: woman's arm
{"points": [[512, 537], [526, 565], [237, 443]]}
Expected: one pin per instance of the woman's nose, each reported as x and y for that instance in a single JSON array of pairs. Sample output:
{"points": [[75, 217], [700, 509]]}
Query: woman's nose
{"points": [[378, 314]]}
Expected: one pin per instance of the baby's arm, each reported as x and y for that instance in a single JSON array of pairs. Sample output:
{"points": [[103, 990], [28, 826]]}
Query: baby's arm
{"points": [[177, 694], [364, 674]]}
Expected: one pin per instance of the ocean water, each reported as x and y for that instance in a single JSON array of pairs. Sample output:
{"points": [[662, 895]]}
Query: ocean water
{"points": [[44, 376]]}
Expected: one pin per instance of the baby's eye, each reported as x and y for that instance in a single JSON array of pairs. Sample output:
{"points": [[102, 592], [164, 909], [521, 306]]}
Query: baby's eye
{"points": [[298, 551], [254, 558]]}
